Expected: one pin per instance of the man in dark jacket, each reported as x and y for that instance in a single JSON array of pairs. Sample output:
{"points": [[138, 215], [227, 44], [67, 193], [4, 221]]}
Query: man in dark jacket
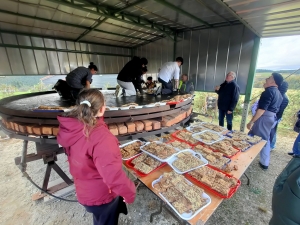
{"points": [[130, 72], [286, 195], [229, 93], [285, 101]]}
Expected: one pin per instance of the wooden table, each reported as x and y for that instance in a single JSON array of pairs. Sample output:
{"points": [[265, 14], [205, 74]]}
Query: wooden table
{"points": [[242, 160]]}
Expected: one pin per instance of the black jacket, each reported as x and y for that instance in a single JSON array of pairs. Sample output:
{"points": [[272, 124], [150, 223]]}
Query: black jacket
{"points": [[229, 94], [131, 71], [286, 195], [285, 101]]}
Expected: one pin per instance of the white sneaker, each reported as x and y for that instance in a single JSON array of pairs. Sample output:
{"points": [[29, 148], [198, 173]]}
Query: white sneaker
{"points": [[120, 92], [117, 90]]}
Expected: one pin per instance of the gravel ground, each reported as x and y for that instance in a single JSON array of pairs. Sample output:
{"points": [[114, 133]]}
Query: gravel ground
{"points": [[250, 205]]}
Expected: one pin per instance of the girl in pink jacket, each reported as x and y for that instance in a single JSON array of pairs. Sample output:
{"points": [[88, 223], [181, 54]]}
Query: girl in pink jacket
{"points": [[95, 160]]}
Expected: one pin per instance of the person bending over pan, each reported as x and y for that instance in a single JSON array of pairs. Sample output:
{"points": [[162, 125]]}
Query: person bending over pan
{"points": [[167, 73], [94, 157], [81, 78], [130, 72]]}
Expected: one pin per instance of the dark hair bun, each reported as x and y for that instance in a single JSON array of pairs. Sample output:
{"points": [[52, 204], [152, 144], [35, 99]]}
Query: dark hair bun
{"points": [[91, 63]]}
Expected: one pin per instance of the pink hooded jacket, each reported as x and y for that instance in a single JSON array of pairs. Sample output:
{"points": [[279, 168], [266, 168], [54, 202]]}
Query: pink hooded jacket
{"points": [[95, 163]]}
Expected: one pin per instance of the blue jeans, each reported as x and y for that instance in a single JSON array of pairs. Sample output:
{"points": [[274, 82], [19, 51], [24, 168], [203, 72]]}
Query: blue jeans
{"points": [[229, 117], [296, 147], [167, 88]]}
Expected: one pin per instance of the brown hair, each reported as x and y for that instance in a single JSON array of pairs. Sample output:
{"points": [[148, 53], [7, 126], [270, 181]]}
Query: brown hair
{"points": [[85, 113]]}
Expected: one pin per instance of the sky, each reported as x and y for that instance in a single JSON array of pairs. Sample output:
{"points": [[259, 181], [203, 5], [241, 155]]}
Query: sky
{"points": [[279, 53]]}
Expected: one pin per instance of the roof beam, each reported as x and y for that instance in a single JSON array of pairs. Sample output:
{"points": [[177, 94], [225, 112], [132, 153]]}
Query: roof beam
{"points": [[121, 17], [62, 39], [90, 29], [181, 11], [60, 50], [129, 5], [69, 24], [212, 10], [103, 20], [232, 12]]}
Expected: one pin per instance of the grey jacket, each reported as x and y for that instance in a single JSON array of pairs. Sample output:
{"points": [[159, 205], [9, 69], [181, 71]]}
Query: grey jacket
{"points": [[187, 88]]}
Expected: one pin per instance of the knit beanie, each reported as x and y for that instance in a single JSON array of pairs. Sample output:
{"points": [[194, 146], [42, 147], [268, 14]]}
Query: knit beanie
{"points": [[278, 78]]}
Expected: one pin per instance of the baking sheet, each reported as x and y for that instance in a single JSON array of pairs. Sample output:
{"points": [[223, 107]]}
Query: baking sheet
{"points": [[156, 157], [139, 173], [208, 188], [128, 143], [220, 132], [185, 216], [195, 154], [221, 137]]}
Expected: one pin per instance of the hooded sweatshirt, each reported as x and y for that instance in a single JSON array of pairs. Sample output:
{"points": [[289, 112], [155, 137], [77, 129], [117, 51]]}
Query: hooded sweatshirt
{"points": [[95, 163]]}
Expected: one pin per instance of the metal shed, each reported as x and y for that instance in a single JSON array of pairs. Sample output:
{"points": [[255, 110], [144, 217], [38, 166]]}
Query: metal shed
{"points": [[39, 37]]}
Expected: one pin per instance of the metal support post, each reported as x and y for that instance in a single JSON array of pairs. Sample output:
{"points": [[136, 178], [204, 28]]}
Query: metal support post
{"points": [[250, 81], [23, 163]]}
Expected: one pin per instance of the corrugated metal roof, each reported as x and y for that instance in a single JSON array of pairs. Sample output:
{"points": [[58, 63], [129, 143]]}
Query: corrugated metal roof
{"points": [[269, 17], [136, 22]]}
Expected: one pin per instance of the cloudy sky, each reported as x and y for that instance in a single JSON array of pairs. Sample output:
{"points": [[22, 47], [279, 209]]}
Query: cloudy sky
{"points": [[279, 53]]}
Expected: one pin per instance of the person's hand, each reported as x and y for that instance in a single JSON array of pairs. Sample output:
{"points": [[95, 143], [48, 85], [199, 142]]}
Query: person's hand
{"points": [[229, 112], [217, 88], [249, 125]]}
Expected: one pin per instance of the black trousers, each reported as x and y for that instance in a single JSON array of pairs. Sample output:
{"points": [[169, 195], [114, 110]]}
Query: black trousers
{"points": [[107, 214], [167, 88]]}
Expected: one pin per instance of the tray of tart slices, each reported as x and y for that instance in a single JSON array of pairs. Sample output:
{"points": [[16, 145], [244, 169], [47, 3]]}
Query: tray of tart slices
{"points": [[214, 180], [185, 136], [159, 150], [223, 147], [241, 136], [131, 149], [215, 159], [185, 198], [186, 160], [208, 137], [196, 128], [144, 164], [179, 144], [213, 127]]}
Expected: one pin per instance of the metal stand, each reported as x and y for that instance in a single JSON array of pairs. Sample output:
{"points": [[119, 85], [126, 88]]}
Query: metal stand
{"points": [[48, 152], [248, 179], [58, 170]]}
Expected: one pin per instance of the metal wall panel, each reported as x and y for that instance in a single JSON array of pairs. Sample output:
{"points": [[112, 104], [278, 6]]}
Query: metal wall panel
{"points": [[9, 39], [63, 59], [212, 59], [24, 40], [28, 59], [209, 54], [194, 56], [15, 60], [73, 61], [4, 63], [244, 65], [223, 50], [41, 61], [202, 60], [157, 53], [54, 66], [20, 61], [37, 42]]}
